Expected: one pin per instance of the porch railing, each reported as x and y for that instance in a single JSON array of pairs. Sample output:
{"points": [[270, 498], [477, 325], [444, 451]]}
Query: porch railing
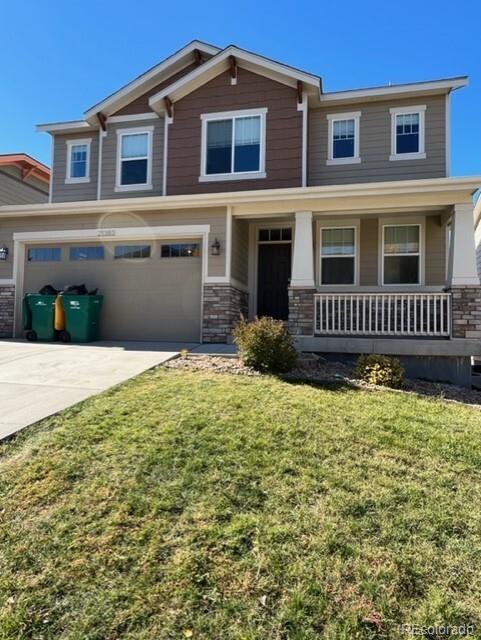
{"points": [[383, 314]]}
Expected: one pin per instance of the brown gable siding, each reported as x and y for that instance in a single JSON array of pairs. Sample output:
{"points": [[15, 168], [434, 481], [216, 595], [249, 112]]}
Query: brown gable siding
{"points": [[283, 139], [141, 104]]}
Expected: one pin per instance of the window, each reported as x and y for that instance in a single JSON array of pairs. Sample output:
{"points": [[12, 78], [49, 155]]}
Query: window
{"points": [[78, 161], [407, 133], [134, 159], [233, 145], [132, 251], [87, 253], [401, 254], [343, 135], [179, 251], [275, 235], [338, 256], [44, 254]]}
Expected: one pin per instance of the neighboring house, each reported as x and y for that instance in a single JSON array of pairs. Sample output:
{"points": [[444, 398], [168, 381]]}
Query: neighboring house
{"points": [[221, 182], [23, 180]]}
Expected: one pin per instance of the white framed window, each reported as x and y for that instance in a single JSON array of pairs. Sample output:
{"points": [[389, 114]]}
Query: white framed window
{"points": [[343, 138], [78, 161], [401, 254], [338, 262], [134, 159], [408, 133], [233, 145]]}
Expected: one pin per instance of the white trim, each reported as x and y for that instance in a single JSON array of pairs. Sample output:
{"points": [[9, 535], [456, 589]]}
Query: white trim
{"points": [[50, 183], [447, 140], [344, 224], [64, 127], [165, 157], [134, 117], [228, 243], [139, 84], [420, 110], [336, 117], [7, 282], [430, 85], [192, 80], [304, 107], [134, 131], [73, 143], [102, 135], [234, 175], [418, 221]]}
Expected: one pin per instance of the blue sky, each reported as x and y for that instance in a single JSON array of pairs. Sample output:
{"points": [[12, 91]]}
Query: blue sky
{"points": [[59, 58]]}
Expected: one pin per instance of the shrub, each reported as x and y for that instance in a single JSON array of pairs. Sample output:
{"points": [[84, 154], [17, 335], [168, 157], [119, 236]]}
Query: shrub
{"points": [[381, 370], [265, 345]]}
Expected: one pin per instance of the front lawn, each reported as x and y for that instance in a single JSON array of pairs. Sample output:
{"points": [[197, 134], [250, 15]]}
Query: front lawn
{"points": [[214, 507]]}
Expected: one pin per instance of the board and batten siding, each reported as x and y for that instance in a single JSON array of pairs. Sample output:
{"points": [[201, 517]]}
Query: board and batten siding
{"points": [[109, 159], [216, 218], [14, 190], [375, 144], [74, 192], [283, 133]]}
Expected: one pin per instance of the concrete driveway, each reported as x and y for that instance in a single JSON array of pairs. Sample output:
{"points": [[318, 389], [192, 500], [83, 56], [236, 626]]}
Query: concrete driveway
{"points": [[37, 380]]}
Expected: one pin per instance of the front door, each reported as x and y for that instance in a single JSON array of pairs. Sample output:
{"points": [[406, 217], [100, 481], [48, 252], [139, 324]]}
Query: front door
{"points": [[273, 274]]}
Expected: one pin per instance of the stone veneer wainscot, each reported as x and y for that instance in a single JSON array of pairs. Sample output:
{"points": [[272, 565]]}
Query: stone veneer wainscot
{"points": [[223, 307], [7, 303]]}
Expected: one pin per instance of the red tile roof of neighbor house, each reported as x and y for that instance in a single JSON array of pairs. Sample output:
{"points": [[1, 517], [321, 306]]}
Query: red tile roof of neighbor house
{"points": [[28, 165]]}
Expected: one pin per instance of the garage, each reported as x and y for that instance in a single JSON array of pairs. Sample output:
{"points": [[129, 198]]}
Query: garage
{"points": [[151, 288]]}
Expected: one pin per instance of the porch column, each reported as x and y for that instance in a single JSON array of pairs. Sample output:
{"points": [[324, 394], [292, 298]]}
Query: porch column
{"points": [[462, 251], [463, 278], [303, 258], [302, 287]]}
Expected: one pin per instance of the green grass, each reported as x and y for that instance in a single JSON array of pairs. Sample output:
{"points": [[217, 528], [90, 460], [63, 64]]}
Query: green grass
{"points": [[222, 508]]}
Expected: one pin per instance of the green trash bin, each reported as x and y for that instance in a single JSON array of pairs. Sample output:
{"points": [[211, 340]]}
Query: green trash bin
{"points": [[38, 317], [82, 318]]}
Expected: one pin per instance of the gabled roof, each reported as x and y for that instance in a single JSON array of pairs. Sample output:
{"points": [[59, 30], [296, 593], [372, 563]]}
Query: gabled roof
{"points": [[27, 165], [154, 76], [247, 60]]}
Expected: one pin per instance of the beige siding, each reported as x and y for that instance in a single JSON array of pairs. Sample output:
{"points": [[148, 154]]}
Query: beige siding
{"points": [[368, 252], [435, 251], [15, 191], [109, 159], [216, 218], [149, 299], [62, 192], [375, 144], [240, 250], [477, 237]]}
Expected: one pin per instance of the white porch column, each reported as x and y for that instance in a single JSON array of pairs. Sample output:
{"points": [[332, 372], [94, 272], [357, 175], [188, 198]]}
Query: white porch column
{"points": [[462, 254], [303, 257]]}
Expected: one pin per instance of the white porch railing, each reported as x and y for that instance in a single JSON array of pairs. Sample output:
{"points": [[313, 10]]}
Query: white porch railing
{"points": [[383, 314]]}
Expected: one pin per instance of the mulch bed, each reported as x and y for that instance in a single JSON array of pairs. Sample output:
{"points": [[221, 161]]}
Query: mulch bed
{"points": [[314, 368]]}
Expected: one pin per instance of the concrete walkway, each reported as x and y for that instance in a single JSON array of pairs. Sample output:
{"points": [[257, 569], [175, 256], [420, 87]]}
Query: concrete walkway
{"points": [[37, 380]]}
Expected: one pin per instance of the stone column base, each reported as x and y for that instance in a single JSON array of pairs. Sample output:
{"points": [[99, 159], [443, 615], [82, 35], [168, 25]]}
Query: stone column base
{"points": [[223, 307], [466, 311], [301, 311], [7, 303]]}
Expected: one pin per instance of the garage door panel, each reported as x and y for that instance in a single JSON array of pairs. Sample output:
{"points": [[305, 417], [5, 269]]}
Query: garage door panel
{"points": [[145, 299]]}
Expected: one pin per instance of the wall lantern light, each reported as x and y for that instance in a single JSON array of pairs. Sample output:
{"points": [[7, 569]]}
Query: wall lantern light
{"points": [[215, 248], [3, 253]]}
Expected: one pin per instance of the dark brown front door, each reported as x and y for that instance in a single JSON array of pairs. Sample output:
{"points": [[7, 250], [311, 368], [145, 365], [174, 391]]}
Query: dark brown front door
{"points": [[273, 274]]}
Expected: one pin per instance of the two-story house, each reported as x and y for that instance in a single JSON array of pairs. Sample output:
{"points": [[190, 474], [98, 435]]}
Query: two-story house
{"points": [[221, 182]]}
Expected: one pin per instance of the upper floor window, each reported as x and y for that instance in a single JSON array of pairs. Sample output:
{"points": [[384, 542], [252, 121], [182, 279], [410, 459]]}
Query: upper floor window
{"points": [[78, 161], [343, 136], [233, 145], [338, 256], [401, 254], [407, 133], [134, 159]]}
